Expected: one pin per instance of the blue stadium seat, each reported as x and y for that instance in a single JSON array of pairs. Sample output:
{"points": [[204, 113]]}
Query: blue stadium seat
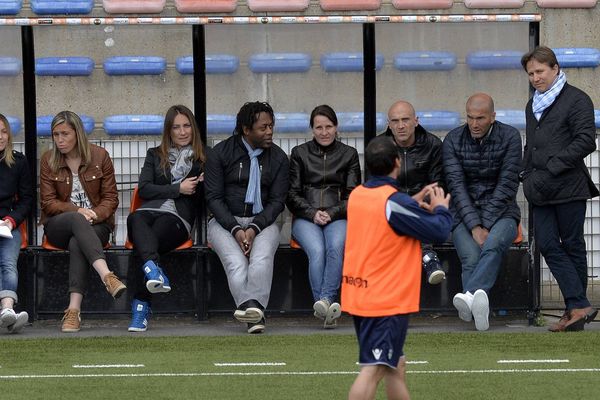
{"points": [[44, 124], [10, 7], [577, 57], [597, 118], [10, 66], [279, 62], [425, 61], [515, 118], [355, 121], [291, 122], [64, 66], [347, 62], [44, 7], [201, 6], [15, 124], [422, 4], [499, 59], [438, 120], [215, 64], [133, 6], [277, 5], [220, 124], [134, 124], [135, 65]]}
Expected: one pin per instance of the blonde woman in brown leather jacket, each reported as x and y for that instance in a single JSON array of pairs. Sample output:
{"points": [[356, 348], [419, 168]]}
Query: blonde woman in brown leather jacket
{"points": [[78, 194]]}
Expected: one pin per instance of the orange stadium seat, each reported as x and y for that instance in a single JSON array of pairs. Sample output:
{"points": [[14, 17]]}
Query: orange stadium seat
{"points": [[278, 5], [133, 6], [422, 4], [341, 5], [494, 3], [198, 6], [136, 202], [23, 230], [566, 3]]}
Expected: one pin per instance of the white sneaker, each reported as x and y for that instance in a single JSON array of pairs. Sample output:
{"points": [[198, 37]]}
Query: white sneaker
{"points": [[333, 313], [481, 310], [462, 302], [7, 317], [321, 308], [22, 319]]}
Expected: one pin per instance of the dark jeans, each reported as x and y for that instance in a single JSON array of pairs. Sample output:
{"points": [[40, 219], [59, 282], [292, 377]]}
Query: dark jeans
{"points": [[559, 235], [152, 234], [71, 231]]}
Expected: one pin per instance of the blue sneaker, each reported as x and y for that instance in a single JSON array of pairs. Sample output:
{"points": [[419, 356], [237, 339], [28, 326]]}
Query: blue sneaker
{"points": [[156, 280], [140, 314]]}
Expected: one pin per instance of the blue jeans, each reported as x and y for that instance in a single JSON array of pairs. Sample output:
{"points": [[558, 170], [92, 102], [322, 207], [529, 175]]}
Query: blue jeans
{"points": [[559, 234], [324, 246], [9, 254], [481, 265]]}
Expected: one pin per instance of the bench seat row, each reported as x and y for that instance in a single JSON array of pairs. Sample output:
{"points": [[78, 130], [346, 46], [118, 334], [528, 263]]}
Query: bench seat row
{"points": [[70, 7]]}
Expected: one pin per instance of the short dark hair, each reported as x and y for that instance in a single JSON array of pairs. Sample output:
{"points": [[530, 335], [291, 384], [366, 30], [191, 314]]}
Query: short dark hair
{"points": [[249, 113], [325, 111], [381, 155], [541, 54]]}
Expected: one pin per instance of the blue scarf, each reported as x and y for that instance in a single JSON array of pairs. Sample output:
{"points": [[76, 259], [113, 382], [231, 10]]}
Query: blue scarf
{"points": [[541, 101], [253, 195]]}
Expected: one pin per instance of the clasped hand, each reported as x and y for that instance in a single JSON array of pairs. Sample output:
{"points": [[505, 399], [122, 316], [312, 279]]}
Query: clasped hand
{"points": [[89, 214]]}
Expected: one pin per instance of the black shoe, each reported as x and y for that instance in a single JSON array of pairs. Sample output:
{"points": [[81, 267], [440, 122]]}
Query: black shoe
{"points": [[433, 268], [257, 327]]}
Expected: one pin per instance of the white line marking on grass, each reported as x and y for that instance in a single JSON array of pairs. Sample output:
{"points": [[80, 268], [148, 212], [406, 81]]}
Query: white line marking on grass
{"points": [[109, 366], [532, 361], [250, 364], [290, 373], [408, 362]]}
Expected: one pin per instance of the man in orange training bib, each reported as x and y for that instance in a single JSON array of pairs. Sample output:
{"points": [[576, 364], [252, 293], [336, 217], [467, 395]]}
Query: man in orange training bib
{"points": [[382, 266]]}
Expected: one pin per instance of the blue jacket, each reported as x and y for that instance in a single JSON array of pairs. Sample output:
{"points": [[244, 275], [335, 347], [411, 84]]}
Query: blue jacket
{"points": [[483, 177], [408, 219]]}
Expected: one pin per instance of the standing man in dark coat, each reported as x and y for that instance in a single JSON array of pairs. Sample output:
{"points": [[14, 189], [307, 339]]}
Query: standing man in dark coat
{"points": [[482, 160], [560, 134]]}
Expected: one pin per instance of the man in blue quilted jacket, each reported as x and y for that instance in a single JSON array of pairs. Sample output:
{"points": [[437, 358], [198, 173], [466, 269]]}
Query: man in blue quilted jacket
{"points": [[481, 164]]}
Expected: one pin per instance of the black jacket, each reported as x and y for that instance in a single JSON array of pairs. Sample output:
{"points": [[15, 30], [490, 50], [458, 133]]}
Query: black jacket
{"points": [[421, 163], [15, 181], [321, 178], [226, 182], [155, 187], [554, 167], [483, 177]]}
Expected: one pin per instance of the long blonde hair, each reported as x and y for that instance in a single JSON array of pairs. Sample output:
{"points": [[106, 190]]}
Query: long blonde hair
{"points": [[7, 156], [166, 142], [83, 145]]}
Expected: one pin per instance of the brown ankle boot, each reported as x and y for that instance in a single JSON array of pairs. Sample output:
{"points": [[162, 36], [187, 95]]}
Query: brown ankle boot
{"points": [[71, 321], [113, 285]]}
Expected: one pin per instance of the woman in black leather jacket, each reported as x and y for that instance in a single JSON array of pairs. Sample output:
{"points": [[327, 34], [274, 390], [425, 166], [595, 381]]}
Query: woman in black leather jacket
{"points": [[323, 172]]}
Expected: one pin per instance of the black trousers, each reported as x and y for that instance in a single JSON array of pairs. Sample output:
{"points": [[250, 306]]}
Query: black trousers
{"points": [[152, 233], [559, 234]]}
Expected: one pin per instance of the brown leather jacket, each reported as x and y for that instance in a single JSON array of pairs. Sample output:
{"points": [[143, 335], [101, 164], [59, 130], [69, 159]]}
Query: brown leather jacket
{"points": [[98, 181]]}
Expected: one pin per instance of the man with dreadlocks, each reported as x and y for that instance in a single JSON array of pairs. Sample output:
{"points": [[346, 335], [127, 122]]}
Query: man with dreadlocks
{"points": [[246, 182]]}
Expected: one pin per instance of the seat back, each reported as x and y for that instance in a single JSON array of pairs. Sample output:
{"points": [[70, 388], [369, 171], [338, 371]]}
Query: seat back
{"points": [[136, 202], [23, 230]]}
